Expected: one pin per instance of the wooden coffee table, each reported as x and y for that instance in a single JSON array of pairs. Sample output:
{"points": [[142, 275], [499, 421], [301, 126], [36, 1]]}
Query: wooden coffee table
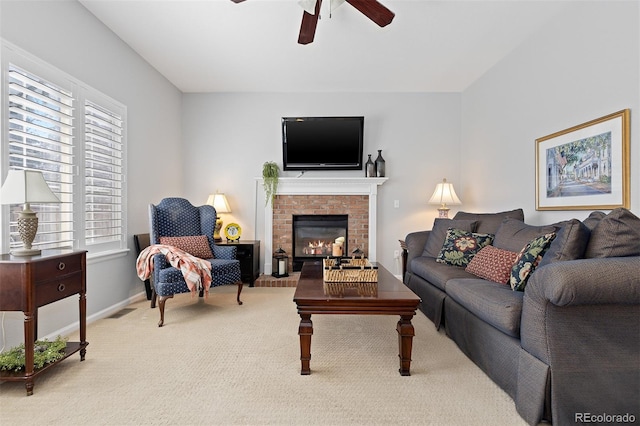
{"points": [[393, 298]]}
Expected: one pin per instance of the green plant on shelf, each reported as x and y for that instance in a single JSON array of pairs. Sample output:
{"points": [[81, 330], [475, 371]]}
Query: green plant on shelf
{"points": [[44, 352], [270, 176]]}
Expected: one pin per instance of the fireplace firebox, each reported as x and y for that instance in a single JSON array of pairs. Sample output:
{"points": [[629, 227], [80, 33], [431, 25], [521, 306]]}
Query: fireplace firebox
{"points": [[314, 235]]}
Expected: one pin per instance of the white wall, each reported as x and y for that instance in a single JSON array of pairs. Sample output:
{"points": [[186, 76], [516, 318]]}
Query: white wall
{"points": [[583, 65], [229, 136], [67, 36]]}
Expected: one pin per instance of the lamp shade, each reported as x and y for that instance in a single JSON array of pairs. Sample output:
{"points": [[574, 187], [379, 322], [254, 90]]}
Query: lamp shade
{"points": [[444, 194], [219, 202], [26, 186]]}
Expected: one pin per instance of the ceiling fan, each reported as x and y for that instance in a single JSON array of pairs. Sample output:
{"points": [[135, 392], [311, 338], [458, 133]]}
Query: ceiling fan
{"points": [[372, 9]]}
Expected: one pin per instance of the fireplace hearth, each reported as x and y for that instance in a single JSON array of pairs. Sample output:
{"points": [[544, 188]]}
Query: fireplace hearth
{"points": [[314, 235]]}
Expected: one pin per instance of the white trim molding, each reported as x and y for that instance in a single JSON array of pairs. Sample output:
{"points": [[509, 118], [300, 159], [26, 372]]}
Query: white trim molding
{"points": [[324, 186]]}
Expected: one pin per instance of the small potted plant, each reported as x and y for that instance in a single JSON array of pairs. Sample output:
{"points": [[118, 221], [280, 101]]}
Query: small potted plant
{"points": [[270, 175], [44, 352]]}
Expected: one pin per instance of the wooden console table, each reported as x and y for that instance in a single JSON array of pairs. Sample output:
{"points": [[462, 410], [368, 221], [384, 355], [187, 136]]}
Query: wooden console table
{"points": [[28, 282]]}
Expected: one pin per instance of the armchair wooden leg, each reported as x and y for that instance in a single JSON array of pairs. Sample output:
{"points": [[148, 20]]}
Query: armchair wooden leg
{"points": [[154, 298], [239, 291], [161, 302]]}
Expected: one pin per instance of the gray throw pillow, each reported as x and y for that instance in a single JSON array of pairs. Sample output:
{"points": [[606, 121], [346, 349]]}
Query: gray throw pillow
{"points": [[439, 232], [514, 234], [617, 235], [570, 243], [488, 223]]}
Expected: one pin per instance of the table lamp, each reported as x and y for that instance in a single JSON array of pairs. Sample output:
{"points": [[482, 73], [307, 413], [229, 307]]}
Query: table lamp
{"points": [[220, 203], [26, 187], [443, 195]]}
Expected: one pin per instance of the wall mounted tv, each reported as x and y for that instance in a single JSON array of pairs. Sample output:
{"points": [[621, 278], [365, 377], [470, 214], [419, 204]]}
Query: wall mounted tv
{"points": [[322, 143]]}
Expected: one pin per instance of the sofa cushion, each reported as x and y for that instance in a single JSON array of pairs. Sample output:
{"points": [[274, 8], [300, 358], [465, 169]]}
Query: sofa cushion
{"points": [[437, 273], [460, 246], [493, 264], [528, 259], [616, 235], [570, 242], [439, 232], [514, 234], [488, 223], [493, 303], [593, 219], [195, 245]]}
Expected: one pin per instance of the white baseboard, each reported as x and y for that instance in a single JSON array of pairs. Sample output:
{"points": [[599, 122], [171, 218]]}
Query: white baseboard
{"points": [[95, 317]]}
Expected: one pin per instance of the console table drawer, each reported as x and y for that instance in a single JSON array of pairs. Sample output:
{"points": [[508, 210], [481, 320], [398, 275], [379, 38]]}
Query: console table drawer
{"points": [[50, 269], [65, 286]]}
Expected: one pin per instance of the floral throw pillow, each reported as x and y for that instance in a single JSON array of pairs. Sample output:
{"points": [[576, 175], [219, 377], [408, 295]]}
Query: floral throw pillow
{"points": [[196, 245], [493, 264], [460, 246], [528, 259]]}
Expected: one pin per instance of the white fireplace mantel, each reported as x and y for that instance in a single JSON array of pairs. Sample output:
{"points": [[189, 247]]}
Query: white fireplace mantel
{"points": [[324, 186]]}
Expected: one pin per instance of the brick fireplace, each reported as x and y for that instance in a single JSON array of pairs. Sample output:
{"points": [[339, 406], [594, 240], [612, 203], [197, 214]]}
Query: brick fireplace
{"points": [[355, 197], [356, 207]]}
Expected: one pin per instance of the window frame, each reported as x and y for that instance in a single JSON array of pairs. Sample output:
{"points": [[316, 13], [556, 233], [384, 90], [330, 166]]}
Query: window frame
{"points": [[11, 54]]}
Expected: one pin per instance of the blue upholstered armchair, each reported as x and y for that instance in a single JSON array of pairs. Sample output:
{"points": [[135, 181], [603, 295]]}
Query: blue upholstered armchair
{"points": [[177, 217]]}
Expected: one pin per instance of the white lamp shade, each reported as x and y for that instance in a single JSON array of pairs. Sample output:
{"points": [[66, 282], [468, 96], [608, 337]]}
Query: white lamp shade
{"points": [[26, 186], [444, 194], [219, 202]]}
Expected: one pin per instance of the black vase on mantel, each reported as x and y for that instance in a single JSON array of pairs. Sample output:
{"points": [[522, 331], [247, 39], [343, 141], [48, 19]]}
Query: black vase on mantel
{"points": [[380, 163], [369, 168]]}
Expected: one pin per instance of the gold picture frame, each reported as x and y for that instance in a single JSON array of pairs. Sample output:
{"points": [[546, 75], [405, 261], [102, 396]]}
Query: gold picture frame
{"points": [[585, 167]]}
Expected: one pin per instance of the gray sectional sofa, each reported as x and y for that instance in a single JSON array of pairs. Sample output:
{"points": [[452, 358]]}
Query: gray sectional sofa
{"points": [[567, 347]]}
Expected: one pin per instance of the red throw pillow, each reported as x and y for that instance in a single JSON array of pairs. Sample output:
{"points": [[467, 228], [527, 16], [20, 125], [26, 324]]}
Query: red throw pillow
{"points": [[493, 264], [196, 245]]}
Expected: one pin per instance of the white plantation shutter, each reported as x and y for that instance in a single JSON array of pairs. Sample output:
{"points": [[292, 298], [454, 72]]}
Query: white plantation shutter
{"points": [[103, 169], [41, 138], [76, 136]]}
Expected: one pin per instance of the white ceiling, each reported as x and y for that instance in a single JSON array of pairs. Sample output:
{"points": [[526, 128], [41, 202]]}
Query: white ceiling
{"points": [[220, 46]]}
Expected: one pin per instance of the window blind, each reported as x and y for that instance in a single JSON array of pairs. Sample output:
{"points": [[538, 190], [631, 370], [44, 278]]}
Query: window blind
{"points": [[103, 174], [41, 138]]}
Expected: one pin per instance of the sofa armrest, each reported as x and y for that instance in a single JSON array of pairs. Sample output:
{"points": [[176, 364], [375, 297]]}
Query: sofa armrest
{"points": [[580, 318], [415, 242], [599, 281]]}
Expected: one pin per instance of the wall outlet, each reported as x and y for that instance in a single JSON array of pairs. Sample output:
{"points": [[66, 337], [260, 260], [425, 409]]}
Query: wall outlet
{"points": [[396, 204], [396, 254]]}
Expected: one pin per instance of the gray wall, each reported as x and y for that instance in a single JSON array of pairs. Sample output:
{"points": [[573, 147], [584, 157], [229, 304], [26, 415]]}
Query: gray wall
{"points": [[85, 49], [583, 65], [229, 136]]}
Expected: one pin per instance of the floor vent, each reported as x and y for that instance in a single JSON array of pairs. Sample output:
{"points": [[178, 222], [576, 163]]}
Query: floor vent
{"points": [[122, 313]]}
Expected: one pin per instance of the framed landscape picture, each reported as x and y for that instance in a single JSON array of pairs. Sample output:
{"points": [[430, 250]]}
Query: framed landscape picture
{"points": [[585, 167]]}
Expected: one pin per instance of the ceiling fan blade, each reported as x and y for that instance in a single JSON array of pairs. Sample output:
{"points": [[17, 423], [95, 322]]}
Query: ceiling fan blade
{"points": [[374, 11], [308, 25]]}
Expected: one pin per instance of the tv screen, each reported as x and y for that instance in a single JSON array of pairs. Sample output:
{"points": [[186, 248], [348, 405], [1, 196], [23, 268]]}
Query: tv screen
{"points": [[322, 143]]}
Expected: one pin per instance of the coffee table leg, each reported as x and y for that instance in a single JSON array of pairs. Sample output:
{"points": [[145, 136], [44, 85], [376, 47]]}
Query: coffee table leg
{"points": [[405, 341], [305, 331]]}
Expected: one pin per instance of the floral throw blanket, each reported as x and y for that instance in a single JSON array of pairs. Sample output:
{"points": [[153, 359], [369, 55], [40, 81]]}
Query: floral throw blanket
{"points": [[196, 271]]}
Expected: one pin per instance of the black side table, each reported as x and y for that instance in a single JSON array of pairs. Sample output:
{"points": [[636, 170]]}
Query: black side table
{"points": [[248, 252]]}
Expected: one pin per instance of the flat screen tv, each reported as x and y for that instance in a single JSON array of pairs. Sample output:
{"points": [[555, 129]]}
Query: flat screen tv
{"points": [[322, 143]]}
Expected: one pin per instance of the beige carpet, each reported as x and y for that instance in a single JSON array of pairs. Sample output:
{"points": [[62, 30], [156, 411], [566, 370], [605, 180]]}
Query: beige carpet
{"points": [[215, 362]]}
